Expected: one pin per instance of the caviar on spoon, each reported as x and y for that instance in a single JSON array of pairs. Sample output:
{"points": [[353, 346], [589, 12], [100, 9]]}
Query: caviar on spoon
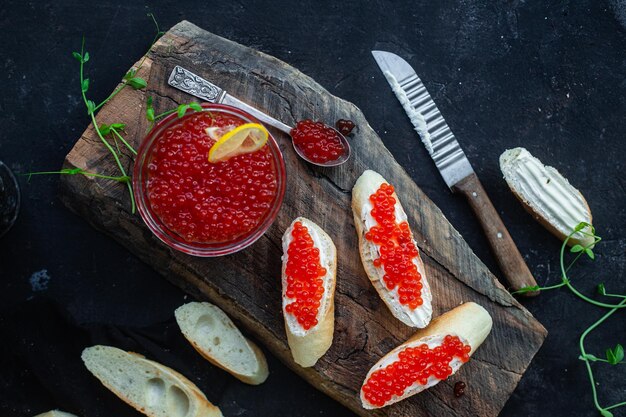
{"points": [[319, 144]]}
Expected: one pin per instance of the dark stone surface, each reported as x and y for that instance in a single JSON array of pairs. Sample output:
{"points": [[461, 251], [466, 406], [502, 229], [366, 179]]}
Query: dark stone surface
{"points": [[550, 77]]}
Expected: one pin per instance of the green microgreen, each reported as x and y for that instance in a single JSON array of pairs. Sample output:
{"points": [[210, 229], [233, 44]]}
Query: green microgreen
{"points": [[76, 171], [180, 111], [614, 356], [113, 130]]}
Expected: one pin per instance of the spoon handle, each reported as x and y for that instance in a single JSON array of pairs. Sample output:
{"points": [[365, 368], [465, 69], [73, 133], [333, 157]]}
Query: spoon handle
{"points": [[193, 84], [264, 118]]}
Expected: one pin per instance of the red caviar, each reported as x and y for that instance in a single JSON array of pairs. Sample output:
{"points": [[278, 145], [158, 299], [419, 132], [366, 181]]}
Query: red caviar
{"points": [[207, 202], [397, 249], [414, 365], [318, 142], [304, 277]]}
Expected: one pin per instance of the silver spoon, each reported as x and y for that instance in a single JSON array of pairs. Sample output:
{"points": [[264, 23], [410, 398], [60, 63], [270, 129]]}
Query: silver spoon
{"points": [[197, 86]]}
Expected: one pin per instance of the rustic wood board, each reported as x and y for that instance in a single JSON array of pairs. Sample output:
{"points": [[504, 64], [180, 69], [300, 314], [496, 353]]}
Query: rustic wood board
{"points": [[247, 284]]}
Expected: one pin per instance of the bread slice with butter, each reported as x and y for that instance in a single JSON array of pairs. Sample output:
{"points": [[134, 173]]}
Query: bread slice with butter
{"points": [[366, 185], [149, 387], [55, 413], [469, 322], [309, 345], [547, 195]]}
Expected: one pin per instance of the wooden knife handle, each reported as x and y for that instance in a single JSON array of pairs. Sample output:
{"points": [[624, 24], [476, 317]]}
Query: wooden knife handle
{"points": [[508, 256]]}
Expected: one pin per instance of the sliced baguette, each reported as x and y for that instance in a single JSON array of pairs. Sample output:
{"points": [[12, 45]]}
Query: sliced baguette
{"points": [[469, 321], [546, 195], [218, 340], [307, 346], [55, 413], [367, 184], [149, 387]]}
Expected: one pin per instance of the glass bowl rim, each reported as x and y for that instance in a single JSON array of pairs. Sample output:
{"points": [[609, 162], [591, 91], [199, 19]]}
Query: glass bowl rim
{"points": [[170, 237]]}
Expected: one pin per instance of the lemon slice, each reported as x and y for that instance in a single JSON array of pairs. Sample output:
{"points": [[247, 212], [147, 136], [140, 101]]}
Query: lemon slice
{"points": [[246, 138]]}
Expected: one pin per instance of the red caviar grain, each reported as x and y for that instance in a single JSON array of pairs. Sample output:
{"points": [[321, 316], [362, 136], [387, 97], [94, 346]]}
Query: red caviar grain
{"points": [[304, 277], [414, 364], [205, 202], [397, 249], [318, 142]]}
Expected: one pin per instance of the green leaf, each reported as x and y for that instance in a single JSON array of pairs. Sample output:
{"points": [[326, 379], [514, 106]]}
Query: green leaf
{"points": [[130, 74], [77, 56], [527, 289], [601, 289], [588, 357], [149, 110], [85, 85], [85, 57], [605, 413], [137, 83], [118, 126], [577, 248], [104, 129], [91, 107], [580, 226], [195, 106], [590, 253], [182, 109], [615, 355]]}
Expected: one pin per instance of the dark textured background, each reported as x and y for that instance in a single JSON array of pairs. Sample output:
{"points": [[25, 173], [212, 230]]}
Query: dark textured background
{"points": [[550, 77]]}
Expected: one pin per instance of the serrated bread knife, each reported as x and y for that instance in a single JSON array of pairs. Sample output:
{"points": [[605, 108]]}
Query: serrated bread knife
{"points": [[453, 164]]}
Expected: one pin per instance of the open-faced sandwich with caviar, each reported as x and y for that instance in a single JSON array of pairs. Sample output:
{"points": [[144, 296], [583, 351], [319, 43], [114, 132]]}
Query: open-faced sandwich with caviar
{"points": [[388, 251], [308, 280], [430, 356]]}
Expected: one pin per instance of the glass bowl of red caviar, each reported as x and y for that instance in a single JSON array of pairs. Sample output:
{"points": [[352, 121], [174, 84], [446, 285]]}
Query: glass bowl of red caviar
{"points": [[202, 208]]}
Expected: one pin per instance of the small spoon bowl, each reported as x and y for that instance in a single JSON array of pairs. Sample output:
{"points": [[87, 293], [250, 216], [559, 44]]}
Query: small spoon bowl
{"points": [[336, 162]]}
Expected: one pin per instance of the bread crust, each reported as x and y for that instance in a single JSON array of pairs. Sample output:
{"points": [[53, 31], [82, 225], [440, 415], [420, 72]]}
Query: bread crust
{"points": [[469, 321], [365, 186], [308, 348]]}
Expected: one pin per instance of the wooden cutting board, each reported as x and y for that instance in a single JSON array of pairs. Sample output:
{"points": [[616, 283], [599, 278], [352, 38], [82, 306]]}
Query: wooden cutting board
{"points": [[247, 285]]}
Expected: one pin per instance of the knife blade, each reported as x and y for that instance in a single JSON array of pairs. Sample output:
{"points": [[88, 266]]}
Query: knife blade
{"points": [[453, 164]]}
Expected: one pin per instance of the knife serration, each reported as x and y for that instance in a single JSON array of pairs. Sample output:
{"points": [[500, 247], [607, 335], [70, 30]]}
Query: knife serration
{"points": [[444, 149]]}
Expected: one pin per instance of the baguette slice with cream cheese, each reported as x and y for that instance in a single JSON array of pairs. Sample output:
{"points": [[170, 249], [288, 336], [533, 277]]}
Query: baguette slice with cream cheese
{"points": [[470, 322], [149, 387], [307, 346], [546, 194], [367, 184], [215, 337]]}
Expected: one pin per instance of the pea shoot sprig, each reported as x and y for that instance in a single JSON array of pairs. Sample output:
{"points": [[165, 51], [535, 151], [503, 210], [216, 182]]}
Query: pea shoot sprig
{"points": [[108, 133], [614, 356], [152, 117]]}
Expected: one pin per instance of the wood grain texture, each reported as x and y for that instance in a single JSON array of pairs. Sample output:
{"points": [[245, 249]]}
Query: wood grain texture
{"points": [[246, 285], [506, 253]]}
